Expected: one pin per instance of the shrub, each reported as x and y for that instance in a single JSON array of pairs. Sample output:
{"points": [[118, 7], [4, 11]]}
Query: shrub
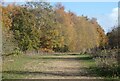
{"points": [[16, 51], [107, 64], [61, 49]]}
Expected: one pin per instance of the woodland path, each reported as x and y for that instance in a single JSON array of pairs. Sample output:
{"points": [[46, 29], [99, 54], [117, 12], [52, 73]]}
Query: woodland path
{"points": [[58, 66]]}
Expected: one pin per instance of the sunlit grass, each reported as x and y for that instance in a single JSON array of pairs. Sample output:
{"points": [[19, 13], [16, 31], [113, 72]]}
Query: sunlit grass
{"points": [[14, 65]]}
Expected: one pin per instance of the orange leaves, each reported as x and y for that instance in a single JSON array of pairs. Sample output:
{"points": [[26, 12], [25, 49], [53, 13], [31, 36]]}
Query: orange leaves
{"points": [[80, 32], [7, 12], [6, 19], [58, 28]]}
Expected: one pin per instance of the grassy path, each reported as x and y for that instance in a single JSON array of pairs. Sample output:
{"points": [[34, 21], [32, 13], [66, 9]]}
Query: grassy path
{"points": [[66, 66]]}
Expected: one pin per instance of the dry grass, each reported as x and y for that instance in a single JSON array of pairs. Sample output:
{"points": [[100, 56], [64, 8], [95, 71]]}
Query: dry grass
{"points": [[48, 67]]}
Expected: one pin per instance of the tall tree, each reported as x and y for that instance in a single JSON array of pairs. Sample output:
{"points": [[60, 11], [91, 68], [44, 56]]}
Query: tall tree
{"points": [[25, 32], [50, 36]]}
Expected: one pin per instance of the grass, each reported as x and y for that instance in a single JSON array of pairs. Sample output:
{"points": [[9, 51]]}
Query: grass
{"points": [[13, 63], [63, 66], [46, 66]]}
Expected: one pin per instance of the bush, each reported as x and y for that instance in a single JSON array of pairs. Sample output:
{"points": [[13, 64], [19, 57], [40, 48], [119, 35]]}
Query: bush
{"points": [[61, 49], [46, 50], [107, 64], [106, 58], [16, 51]]}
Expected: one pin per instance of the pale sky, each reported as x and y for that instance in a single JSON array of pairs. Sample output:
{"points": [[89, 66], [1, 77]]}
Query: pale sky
{"points": [[105, 12]]}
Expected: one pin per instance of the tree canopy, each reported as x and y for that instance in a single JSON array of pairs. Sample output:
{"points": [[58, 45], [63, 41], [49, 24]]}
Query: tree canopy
{"points": [[38, 25]]}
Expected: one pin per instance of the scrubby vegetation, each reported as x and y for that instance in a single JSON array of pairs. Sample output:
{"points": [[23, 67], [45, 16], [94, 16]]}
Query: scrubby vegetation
{"points": [[107, 58]]}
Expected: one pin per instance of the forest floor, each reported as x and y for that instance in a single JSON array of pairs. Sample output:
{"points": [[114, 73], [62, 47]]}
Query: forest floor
{"points": [[54, 66]]}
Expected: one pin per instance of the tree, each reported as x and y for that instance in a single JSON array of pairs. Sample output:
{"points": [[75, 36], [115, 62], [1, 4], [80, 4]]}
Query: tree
{"points": [[45, 16], [102, 38], [8, 41], [23, 27], [114, 38], [37, 25], [80, 33], [6, 16], [68, 30], [114, 41]]}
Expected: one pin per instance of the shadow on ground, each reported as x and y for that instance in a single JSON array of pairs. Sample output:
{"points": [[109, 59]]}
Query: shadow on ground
{"points": [[62, 58], [55, 73], [105, 72]]}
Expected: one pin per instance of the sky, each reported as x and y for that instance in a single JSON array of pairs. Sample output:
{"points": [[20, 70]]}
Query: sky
{"points": [[105, 12]]}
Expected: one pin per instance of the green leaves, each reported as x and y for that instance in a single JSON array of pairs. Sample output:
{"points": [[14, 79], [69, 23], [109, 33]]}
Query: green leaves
{"points": [[37, 25], [114, 38], [24, 29]]}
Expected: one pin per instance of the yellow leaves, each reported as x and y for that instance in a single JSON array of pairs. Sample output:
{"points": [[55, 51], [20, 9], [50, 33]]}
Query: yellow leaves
{"points": [[6, 17], [62, 39], [46, 50], [55, 32], [7, 12], [59, 29]]}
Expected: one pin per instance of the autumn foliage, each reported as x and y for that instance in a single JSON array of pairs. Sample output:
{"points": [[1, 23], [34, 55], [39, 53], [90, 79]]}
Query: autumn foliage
{"points": [[39, 26]]}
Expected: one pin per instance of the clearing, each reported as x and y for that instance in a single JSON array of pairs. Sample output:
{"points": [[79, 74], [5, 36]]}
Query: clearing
{"points": [[51, 66]]}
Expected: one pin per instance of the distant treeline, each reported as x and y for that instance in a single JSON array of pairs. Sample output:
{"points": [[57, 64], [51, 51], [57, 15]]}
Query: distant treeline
{"points": [[40, 26]]}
